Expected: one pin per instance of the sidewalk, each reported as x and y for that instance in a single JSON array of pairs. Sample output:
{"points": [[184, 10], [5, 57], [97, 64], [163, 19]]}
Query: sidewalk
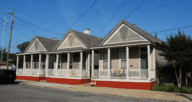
{"points": [[146, 94]]}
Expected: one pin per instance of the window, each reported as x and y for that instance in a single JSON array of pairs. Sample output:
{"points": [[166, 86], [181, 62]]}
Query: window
{"points": [[71, 62], [123, 59], [105, 60]]}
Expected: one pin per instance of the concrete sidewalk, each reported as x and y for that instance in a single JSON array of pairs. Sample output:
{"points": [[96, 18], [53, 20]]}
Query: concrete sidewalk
{"points": [[147, 94]]}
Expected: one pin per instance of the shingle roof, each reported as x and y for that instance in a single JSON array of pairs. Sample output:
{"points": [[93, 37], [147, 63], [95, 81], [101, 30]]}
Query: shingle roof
{"points": [[146, 35], [47, 43]]}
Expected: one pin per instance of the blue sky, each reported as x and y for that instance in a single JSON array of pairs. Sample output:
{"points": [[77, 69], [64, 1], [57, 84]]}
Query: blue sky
{"points": [[57, 16]]}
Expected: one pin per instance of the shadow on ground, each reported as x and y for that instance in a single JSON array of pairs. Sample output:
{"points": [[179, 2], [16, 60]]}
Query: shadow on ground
{"points": [[190, 98], [10, 83]]}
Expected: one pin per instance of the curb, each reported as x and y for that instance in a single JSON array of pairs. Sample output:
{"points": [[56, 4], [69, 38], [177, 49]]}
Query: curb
{"points": [[108, 94]]}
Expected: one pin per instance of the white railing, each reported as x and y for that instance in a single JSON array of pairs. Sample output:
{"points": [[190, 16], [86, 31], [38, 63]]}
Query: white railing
{"points": [[144, 73], [27, 71], [152, 73], [74, 73], [34, 71], [41, 71], [134, 73], [62, 72], [85, 72], [19, 71], [51, 72], [118, 73], [103, 73], [96, 72]]}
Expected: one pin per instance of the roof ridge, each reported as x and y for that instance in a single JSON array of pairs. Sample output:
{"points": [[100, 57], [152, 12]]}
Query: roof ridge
{"points": [[85, 34], [46, 38]]}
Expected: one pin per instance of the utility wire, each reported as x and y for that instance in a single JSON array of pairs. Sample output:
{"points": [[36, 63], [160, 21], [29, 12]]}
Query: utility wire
{"points": [[82, 15], [173, 29], [112, 17], [134, 10]]}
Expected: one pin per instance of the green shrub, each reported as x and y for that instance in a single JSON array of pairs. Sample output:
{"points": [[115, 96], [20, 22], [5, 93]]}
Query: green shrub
{"points": [[187, 89]]}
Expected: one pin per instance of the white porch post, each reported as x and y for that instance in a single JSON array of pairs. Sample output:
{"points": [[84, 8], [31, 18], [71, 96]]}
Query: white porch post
{"points": [[154, 62], [109, 62], [31, 64], [47, 64], [68, 59], [57, 57], [88, 63], [149, 62], [81, 63], [23, 64], [127, 57], [92, 71], [17, 66], [39, 64]]}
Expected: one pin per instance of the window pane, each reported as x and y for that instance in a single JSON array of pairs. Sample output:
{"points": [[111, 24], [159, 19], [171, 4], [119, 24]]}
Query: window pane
{"points": [[123, 55], [105, 57], [123, 64], [105, 65]]}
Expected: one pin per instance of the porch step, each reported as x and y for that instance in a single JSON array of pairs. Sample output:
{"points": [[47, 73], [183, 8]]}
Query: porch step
{"points": [[42, 80]]}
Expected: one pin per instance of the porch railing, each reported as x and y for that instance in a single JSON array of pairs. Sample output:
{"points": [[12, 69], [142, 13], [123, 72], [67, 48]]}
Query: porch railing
{"points": [[51, 72], [152, 74], [34, 71], [19, 71], [62, 72], [74, 73], [85, 72], [134, 73], [144, 73], [42, 71], [103, 73], [27, 71], [118, 73], [96, 72]]}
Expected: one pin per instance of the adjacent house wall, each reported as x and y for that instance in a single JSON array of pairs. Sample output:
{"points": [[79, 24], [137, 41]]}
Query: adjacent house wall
{"points": [[115, 58]]}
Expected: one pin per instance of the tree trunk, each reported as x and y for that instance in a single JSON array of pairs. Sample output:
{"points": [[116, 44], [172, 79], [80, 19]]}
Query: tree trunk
{"points": [[186, 80], [180, 72], [178, 82]]}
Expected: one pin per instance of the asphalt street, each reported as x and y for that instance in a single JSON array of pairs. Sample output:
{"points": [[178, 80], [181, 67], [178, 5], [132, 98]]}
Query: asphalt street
{"points": [[22, 93]]}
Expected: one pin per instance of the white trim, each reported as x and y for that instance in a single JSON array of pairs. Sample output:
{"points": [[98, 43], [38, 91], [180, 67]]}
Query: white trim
{"points": [[17, 65], [121, 45], [92, 63], [57, 58], [39, 43], [47, 64], [68, 61], [127, 57], [39, 64], [109, 62], [108, 39], [81, 62], [149, 61], [68, 77], [123, 80], [24, 64], [120, 57], [59, 47], [139, 61], [31, 65]]}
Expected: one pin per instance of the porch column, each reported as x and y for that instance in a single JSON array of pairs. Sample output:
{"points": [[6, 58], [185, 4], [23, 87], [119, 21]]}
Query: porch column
{"points": [[92, 71], [31, 64], [57, 57], [149, 62], [23, 64], [39, 63], [47, 64], [154, 63], [68, 59], [81, 63], [88, 63], [127, 57], [109, 63], [17, 65]]}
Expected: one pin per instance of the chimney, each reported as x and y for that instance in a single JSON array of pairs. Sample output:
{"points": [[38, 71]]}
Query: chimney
{"points": [[87, 31], [54, 39], [135, 25]]}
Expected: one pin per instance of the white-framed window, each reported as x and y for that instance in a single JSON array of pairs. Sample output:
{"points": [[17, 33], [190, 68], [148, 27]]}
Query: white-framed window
{"points": [[71, 61], [123, 60], [105, 60]]}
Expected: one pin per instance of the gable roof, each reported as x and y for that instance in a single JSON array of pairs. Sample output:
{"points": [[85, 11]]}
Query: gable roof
{"points": [[143, 33], [48, 44], [85, 39]]}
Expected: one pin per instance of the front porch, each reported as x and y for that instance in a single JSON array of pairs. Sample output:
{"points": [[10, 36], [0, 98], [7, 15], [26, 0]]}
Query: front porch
{"points": [[74, 65], [114, 67]]}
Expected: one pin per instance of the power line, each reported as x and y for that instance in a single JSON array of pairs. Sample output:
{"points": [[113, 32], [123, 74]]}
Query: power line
{"points": [[134, 10], [82, 15], [112, 16], [173, 29]]}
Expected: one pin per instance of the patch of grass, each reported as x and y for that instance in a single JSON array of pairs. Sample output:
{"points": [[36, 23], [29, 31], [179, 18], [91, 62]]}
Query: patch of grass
{"points": [[172, 88]]}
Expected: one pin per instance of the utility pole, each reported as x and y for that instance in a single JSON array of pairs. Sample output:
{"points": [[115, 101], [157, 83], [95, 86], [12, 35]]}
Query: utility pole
{"points": [[156, 34], [2, 45], [10, 39]]}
